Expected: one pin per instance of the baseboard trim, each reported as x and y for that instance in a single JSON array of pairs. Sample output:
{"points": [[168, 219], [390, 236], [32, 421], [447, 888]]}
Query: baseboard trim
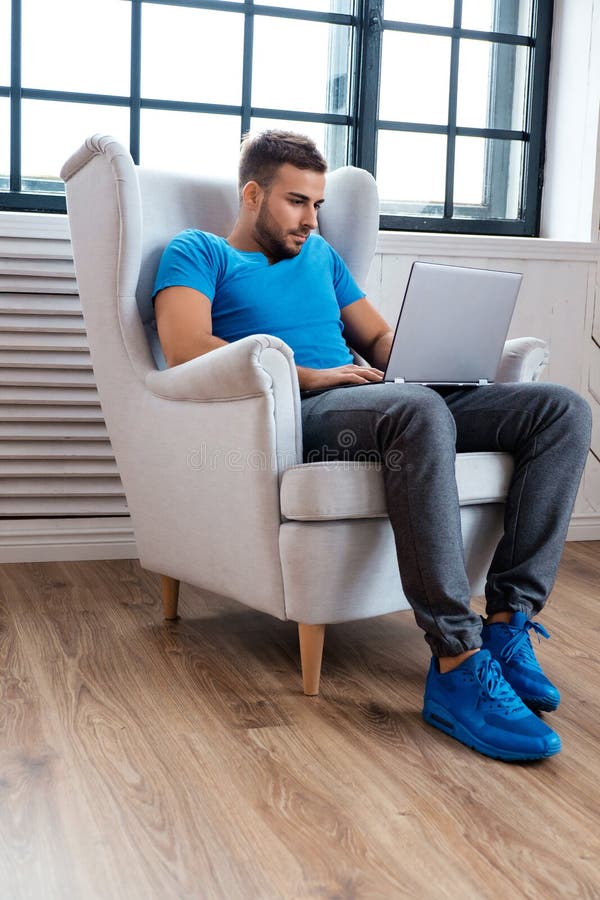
{"points": [[46, 540], [584, 528]]}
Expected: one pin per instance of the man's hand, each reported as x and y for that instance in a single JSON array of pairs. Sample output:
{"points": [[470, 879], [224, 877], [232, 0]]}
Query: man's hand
{"points": [[314, 379]]}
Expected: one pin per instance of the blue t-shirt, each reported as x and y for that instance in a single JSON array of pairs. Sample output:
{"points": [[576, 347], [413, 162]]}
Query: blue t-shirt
{"points": [[298, 299]]}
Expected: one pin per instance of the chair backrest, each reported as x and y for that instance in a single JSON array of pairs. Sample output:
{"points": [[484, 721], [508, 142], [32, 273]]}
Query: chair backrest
{"points": [[349, 221], [349, 218], [151, 207], [170, 204]]}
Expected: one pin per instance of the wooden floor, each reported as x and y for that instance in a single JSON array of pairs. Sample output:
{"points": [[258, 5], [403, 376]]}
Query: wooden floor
{"points": [[147, 760]]}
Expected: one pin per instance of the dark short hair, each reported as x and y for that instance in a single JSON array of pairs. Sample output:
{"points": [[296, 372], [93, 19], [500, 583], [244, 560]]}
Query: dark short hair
{"points": [[262, 154]]}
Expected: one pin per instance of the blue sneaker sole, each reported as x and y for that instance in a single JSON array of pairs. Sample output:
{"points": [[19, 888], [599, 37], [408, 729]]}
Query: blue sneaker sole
{"points": [[540, 704], [439, 717]]}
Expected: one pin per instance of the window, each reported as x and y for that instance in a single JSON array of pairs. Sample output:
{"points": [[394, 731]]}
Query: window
{"points": [[461, 93], [443, 100]]}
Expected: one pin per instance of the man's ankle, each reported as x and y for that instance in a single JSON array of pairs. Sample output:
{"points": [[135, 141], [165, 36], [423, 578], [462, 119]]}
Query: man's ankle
{"points": [[447, 663], [499, 617]]}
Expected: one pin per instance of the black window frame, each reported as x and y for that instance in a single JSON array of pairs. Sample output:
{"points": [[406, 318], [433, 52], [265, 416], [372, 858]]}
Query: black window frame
{"points": [[362, 120], [532, 137]]}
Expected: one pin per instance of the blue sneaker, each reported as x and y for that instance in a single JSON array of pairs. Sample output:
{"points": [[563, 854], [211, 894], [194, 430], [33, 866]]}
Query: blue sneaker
{"points": [[474, 704], [510, 644]]}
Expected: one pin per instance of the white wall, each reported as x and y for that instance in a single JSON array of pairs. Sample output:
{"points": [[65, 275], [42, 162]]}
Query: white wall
{"points": [[557, 303], [560, 296], [559, 300], [571, 200]]}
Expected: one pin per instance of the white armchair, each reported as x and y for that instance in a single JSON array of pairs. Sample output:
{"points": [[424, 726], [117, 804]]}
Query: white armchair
{"points": [[210, 452]]}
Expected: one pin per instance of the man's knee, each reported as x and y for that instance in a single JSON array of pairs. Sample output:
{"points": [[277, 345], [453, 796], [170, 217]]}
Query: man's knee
{"points": [[574, 411], [577, 406], [417, 408], [580, 418]]}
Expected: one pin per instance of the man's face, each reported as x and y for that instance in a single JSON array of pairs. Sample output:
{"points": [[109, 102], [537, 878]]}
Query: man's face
{"points": [[288, 211]]}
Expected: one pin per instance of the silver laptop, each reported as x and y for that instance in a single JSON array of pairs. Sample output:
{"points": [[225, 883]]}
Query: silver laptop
{"points": [[452, 325]]}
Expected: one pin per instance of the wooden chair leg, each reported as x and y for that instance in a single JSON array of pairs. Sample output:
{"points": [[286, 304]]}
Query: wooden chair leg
{"points": [[311, 653], [170, 596]]}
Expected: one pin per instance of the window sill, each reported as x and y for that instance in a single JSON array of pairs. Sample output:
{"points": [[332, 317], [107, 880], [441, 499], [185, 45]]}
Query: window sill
{"points": [[34, 225], [411, 243], [389, 243]]}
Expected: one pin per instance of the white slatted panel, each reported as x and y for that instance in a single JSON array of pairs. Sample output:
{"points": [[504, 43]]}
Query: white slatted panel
{"points": [[55, 456]]}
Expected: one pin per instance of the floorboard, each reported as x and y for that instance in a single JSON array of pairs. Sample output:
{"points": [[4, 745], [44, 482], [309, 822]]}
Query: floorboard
{"points": [[144, 760]]}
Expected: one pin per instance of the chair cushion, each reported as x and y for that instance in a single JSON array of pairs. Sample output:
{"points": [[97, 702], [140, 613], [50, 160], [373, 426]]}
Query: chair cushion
{"points": [[354, 490]]}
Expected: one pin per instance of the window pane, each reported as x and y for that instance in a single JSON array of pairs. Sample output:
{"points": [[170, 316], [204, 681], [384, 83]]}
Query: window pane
{"points": [[423, 12], [508, 16], [190, 142], [487, 174], [4, 142], [53, 131], [326, 6], [5, 43], [319, 84], [203, 61], [411, 170], [406, 95], [485, 67], [332, 140], [73, 46]]}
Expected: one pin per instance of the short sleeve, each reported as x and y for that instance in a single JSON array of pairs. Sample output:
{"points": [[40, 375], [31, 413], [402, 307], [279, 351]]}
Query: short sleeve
{"points": [[189, 260]]}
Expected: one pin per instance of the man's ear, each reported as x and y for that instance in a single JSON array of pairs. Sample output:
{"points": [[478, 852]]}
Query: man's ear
{"points": [[252, 194]]}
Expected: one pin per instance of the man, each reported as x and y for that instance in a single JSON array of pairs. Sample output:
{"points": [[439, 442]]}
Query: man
{"points": [[272, 275]]}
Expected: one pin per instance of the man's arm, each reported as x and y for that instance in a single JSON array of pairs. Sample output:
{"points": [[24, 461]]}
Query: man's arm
{"points": [[367, 332], [184, 323]]}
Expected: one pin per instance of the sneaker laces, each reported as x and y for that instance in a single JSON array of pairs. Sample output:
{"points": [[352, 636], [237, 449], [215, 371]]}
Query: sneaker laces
{"points": [[489, 674], [520, 644]]}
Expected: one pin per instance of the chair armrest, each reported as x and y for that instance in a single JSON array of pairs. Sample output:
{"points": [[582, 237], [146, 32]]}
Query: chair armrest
{"points": [[256, 366], [233, 372], [202, 455], [523, 359]]}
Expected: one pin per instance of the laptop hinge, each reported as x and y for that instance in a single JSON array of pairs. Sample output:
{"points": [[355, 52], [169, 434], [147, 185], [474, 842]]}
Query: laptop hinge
{"points": [[399, 381], [483, 381]]}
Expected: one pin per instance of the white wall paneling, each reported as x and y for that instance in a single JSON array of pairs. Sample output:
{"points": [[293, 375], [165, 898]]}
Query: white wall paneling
{"points": [[594, 389], [44, 540], [60, 492], [559, 302]]}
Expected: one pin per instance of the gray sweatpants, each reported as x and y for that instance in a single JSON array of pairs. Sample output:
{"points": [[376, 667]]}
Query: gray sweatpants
{"points": [[415, 431]]}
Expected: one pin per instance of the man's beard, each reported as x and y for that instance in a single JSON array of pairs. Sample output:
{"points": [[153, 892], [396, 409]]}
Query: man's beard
{"points": [[271, 237]]}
